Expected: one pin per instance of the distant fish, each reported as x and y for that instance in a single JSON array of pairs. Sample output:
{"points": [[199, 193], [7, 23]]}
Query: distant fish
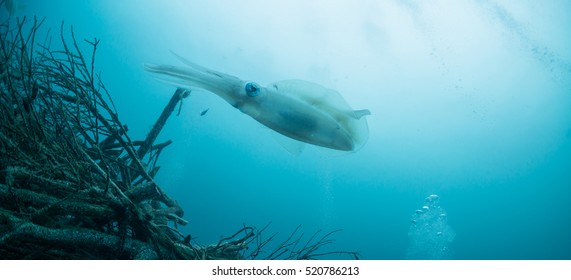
{"points": [[12, 6], [204, 112]]}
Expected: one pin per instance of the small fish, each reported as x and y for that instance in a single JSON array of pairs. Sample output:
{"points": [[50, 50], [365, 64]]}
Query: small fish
{"points": [[204, 112], [13, 7]]}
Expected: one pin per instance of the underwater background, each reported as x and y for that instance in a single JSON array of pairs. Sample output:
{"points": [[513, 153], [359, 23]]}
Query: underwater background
{"points": [[470, 101]]}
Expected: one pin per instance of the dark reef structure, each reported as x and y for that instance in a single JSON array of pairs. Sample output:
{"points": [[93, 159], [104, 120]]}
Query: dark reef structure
{"points": [[74, 185]]}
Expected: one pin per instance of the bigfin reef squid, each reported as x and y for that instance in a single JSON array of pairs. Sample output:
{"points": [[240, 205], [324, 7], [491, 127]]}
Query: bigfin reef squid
{"points": [[300, 110]]}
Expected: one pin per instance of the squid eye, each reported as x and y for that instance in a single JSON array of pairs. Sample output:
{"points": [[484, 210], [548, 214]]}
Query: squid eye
{"points": [[252, 89]]}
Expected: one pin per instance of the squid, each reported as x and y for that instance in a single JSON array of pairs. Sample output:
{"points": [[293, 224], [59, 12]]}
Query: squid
{"points": [[304, 111]]}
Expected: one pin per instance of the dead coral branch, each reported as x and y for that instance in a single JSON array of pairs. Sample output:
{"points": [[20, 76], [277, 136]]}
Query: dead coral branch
{"points": [[73, 183]]}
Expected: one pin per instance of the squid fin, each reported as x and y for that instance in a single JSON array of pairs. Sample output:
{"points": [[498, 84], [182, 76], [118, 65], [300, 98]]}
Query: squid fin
{"points": [[293, 146], [358, 114]]}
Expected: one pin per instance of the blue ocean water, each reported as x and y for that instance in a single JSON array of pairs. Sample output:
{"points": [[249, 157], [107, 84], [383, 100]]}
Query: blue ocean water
{"points": [[470, 101]]}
